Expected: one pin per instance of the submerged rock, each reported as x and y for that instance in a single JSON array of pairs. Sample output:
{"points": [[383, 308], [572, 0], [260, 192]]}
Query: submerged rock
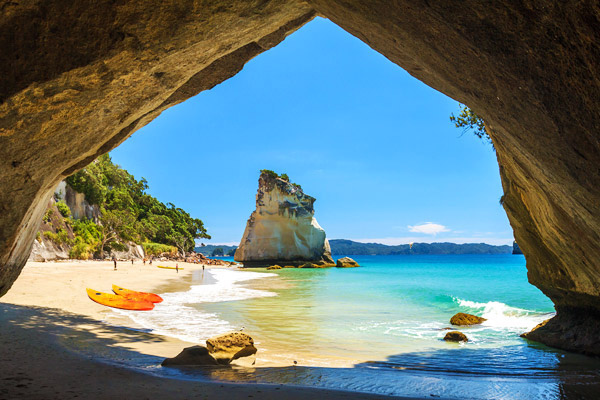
{"points": [[346, 262], [230, 346], [455, 336], [195, 355], [466, 319], [275, 267], [282, 230]]}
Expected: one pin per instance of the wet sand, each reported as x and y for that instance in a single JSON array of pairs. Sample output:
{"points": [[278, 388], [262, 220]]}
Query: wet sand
{"points": [[54, 339]]}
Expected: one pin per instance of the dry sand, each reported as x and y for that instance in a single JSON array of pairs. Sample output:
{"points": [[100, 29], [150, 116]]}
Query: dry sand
{"points": [[62, 285], [53, 337]]}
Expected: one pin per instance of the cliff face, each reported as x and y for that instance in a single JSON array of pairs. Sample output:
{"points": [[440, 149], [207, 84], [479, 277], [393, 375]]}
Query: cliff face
{"points": [[52, 239], [282, 229], [79, 206]]}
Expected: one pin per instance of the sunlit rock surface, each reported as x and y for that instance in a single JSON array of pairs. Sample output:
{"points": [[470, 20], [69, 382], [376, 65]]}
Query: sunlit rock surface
{"points": [[282, 229]]}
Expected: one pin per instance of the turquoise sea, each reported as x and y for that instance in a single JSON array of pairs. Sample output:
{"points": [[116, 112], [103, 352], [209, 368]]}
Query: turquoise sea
{"points": [[379, 328]]}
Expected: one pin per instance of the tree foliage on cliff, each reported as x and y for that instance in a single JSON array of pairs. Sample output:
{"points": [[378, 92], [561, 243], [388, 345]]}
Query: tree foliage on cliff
{"points": [[128, 213], [469, 121], [275, 175]]}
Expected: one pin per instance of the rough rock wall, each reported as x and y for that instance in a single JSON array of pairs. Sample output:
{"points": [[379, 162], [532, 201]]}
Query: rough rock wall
{"points": [[44, 248], [532, 71], [78, 77], [79, 206], [282, 229]]}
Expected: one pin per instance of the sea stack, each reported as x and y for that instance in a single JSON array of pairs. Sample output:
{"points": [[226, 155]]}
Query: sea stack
{"points": [[282, 230]]}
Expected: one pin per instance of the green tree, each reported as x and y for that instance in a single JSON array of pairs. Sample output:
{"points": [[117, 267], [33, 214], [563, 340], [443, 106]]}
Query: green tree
{"points": [[143, 217], [181, 241], [469, 121], [63, 209], [114, 224]]}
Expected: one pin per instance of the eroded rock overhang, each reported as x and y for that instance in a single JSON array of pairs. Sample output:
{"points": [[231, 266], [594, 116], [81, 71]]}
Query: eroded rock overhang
{"points": [[77, 79]]}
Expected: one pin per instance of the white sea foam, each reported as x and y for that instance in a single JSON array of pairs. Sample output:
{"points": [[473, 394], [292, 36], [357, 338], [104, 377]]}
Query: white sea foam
{"points": [[503, 316], [504, 324], [175, 317]]}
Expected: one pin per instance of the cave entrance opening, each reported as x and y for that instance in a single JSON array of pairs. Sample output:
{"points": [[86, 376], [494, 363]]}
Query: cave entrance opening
{"points": [[327, 110]]}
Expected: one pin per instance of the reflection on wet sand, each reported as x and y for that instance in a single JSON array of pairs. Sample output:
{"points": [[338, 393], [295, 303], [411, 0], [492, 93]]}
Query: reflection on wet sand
{"points": [[482, 374]]}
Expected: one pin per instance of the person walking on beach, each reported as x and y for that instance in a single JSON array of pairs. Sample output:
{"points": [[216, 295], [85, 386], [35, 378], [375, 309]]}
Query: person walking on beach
{"points": [[151, 260], [177, 267], [132, 261], [115, 261], [202, 267]]}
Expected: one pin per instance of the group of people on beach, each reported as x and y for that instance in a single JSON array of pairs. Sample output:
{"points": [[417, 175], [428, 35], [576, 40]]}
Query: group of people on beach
{"points": [[114, 260]]}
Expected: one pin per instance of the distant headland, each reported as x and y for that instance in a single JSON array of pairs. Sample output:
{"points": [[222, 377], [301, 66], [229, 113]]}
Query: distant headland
{"points": [[350, 247]]}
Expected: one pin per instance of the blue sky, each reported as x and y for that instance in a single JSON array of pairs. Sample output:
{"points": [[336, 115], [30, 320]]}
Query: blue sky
{"points": [[371, 143]]}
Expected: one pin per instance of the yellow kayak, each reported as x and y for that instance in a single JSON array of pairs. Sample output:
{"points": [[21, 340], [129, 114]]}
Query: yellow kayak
{"points": [[112, 300], [162, 266], [135, 295]]}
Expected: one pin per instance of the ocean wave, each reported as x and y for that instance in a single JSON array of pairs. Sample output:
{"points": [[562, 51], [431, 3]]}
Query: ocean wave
{"points": [[500, 315], [176, 317]]}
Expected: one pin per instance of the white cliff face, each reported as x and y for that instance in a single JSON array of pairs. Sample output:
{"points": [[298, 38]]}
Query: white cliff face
{"points": [[283, 228], [79, 206]]}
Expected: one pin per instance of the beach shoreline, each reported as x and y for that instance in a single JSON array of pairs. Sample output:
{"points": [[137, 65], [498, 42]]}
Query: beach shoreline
{"points": [[47, 314]]}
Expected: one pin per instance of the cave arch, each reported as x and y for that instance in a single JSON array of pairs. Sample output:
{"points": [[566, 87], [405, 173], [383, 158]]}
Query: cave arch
{"points": [[78, 79]]}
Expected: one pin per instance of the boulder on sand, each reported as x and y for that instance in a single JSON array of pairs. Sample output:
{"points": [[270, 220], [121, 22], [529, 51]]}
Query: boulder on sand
{"points": [[230, 346], [346, 262], [195, 355], [455, 336], [466, 319]]}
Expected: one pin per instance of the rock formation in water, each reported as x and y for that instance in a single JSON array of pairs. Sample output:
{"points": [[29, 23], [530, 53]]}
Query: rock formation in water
{"points": [[194, 355], [346, 262], [466, 319], [78, 78], [219, 350], [455, 336], [230, 346], [282, 229]]}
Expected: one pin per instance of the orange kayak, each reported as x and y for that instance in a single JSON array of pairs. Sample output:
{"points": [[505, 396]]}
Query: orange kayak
{"points": [[134, 295], [112, 300]]}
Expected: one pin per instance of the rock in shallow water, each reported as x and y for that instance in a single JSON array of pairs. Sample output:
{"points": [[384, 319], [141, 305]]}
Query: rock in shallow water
{"points": [[230, 346], [466, 319], [222, 349], [346, 262], [282, 230], [195, 355], [455, 336]]}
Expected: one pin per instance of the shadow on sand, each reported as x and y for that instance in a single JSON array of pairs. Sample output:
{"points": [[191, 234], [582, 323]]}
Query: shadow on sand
{"points": [[514, 372]]}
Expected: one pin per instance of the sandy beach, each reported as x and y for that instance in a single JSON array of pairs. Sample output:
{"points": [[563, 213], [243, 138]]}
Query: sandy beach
{"points": [[54, 336], [61, 285]]}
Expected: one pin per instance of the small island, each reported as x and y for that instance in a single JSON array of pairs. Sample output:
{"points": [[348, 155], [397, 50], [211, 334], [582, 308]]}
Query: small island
{"points": [[283, 230]]}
